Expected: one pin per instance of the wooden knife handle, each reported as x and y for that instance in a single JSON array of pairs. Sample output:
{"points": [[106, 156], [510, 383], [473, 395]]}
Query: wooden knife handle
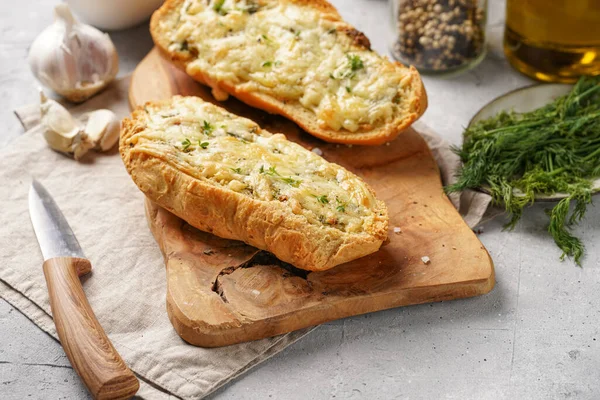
{"points": [[90, 351]]}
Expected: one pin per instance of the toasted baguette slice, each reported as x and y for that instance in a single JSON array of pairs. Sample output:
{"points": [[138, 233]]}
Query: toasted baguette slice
{"points": [[296, 58], [222, 174]]}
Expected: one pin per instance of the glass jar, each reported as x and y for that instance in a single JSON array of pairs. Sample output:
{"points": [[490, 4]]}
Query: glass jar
{"points": [[555, 42], [439, 36]]}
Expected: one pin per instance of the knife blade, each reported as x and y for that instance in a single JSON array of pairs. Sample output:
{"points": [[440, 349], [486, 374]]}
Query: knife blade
{"points": [[89, 350], [52, 230]]}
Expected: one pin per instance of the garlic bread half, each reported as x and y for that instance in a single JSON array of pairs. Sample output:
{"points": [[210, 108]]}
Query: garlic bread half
{"points": [[296, 58], [223, 174]]}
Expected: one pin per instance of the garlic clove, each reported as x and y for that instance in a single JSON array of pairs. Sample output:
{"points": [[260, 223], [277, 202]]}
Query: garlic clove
{"points": [[82, 145], [61, 130], [74, 59], [103, 128]]}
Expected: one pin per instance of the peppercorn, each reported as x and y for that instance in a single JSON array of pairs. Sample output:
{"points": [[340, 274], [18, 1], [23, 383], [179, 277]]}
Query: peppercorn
{"points": [[439, 35]]}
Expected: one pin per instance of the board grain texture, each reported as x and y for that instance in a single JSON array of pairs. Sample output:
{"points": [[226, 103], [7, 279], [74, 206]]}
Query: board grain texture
{"points": [[221, 292]]}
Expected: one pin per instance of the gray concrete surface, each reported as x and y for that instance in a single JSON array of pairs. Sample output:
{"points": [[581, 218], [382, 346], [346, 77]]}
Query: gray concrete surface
{"points": [[535, 336]]}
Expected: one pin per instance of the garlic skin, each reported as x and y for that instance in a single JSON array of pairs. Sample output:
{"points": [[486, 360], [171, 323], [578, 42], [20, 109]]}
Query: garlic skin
{"points": [[98, 130], [74, 59]]}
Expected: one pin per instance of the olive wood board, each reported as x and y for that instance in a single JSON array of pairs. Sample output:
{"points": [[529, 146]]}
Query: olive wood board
{"points": [[221, 292]]}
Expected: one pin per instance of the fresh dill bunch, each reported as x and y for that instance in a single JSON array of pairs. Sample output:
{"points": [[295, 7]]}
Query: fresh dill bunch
{"points": [[553, 149]]}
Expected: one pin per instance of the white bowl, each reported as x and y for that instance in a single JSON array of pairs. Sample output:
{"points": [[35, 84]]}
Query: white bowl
{"points": [[524, 100], [113, 14]]}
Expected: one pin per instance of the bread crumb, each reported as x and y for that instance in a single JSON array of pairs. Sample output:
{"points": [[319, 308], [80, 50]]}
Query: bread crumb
{"points": [[425, 260], [255, 292], [387, 143], [453, 248], [317, 151], [349, 146], [397, 230], [208, 252]]}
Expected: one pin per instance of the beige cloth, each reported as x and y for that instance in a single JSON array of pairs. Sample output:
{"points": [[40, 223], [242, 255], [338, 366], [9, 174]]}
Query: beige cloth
{"points": [[127, 287]]}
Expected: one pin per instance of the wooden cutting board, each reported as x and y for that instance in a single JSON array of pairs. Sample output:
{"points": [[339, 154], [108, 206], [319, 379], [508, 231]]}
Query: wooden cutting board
{"points": [[222, 292]]}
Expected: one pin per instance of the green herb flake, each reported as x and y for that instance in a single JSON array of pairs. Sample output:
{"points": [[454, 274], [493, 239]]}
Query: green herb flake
{"points": [[207, 128], [292, 182], [348, 89], [218, 7], [322, 199], [267, 64], [236, 170], [185, 144], [553, 149], [355, 62], [332, 30], [204, 145]]}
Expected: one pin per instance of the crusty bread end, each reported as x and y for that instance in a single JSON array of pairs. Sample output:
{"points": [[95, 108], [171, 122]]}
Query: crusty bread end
{"points": [[165, 19]]}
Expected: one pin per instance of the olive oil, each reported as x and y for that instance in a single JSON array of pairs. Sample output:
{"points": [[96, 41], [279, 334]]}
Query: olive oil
{"points": [[554, 41]]}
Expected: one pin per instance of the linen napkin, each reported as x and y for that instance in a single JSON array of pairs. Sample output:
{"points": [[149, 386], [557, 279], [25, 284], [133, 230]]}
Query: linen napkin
{"points": [[127, 287]]}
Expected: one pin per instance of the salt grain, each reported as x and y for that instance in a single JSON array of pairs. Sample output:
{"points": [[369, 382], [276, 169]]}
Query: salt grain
{"points": [[425, 260], [317, 151], [397, 230]]}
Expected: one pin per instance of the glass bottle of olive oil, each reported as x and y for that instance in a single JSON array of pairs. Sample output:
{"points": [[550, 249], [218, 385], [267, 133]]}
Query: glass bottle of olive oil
{"points": [[555, 41]]}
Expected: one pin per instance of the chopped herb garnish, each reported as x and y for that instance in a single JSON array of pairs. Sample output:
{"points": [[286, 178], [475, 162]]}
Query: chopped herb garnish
{"points": [[322, 199], [265, 37], [292, 182], [184, 46], [341, 208], [186, 144], [267, 64], [332, 76], [332, 30], [355, 62], [204, 145], [218, 7], [251, 8], [236, 170], [348, 89], [207, 128], [273, 172]]}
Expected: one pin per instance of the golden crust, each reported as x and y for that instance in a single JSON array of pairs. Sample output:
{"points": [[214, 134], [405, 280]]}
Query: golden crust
{"points": [[166, 17], [268, 225]]}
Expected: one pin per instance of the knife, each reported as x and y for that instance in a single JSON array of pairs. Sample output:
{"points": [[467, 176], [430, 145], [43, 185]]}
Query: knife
{"points": [[88, 348]]}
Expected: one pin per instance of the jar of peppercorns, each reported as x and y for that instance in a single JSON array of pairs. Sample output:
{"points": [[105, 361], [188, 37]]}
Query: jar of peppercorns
{"points": [[439, 36]]}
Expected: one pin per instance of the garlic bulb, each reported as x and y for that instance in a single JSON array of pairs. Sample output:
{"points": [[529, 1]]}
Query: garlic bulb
{"points": [[74, 137], [74, 59]]}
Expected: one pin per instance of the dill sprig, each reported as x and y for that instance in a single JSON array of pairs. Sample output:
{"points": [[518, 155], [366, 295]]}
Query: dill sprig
{"points": [[555, 148]]}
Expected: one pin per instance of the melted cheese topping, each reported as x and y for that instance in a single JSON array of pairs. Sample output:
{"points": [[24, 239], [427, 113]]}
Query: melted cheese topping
{"points": [[231, 152], [293, 54]]}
